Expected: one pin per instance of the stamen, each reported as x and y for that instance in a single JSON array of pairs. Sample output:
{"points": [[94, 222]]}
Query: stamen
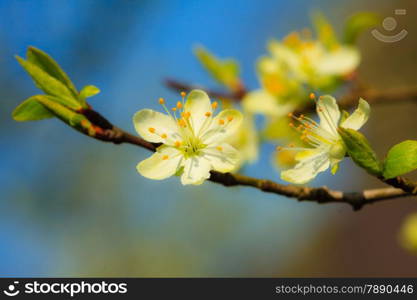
{"points": [[165, 157], [221, 122], [290, 115], [183, 94], [174, 109], [164, 136], [230, 118], [219, 148], [151, 130], [279, 148], [312, 96], [214, 105], [161, 101], [182, 123], [179, 105], [177, 144], [207, 114]]}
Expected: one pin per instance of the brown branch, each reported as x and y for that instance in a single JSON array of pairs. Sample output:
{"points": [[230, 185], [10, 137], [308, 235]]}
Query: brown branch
{"points": [[391, 96], [405, 184], [320, 195], [373, 96]]}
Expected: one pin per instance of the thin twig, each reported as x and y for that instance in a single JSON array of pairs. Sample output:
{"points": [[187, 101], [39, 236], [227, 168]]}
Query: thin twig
{"points": [[373, 96], [320, 195]]}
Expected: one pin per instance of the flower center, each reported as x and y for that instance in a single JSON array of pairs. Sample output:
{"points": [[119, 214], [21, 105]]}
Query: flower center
{"points": [[192, 147]]}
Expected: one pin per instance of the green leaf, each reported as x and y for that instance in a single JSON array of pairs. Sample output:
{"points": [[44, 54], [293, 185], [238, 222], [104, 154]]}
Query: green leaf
{"points": [[359, 22], [89, 91], [225, 71], [49, 84], [50, 66], [70, 117], [324, 30], [31, 110], [401, 159], [360, 150]]}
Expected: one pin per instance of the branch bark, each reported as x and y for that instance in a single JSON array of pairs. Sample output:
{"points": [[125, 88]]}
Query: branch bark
{"points": [[373, 96], [402, 187]]}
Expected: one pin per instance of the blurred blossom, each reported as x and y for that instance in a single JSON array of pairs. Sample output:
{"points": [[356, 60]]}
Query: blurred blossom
{"points": [[408, 233]]}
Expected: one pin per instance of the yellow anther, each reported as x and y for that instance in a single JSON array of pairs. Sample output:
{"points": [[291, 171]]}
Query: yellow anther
{"points": [[164, 136], [179, 105], [291, 145], [279, 148], [214, 105], [230, 118], [301, 117], [219, 148], [221, 122], [151, 130], [291, 124], [177, 144], [182, 123], [165, 157], [207, 114], [290, 115], [312, 96], [320, 109], [186, 114], [161, 101], [174, 109], [183, 94]]}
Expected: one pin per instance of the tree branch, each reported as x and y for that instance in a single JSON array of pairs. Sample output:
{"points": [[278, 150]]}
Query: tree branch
{"points": [[320, 195], [373, 96]]}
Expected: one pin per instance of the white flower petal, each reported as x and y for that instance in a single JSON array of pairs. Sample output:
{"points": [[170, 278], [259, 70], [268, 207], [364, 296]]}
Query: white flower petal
{"points": [[338, 62], [147, 119], [246, 141], [226, 123], [262, 102], [311, 163], [196, 170], [358, 117], [162, 164], [197, 104], [223, 158], [285, 56], [329, 113]]}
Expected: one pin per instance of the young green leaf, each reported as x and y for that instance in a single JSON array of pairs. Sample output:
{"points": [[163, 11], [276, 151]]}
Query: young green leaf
{"points": [[49, 84], [70, 117], [360, 150], [31, 110], [401, 159], [359, 22], [324, 30], [50, 66], [225, 71], [89, 91]]}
